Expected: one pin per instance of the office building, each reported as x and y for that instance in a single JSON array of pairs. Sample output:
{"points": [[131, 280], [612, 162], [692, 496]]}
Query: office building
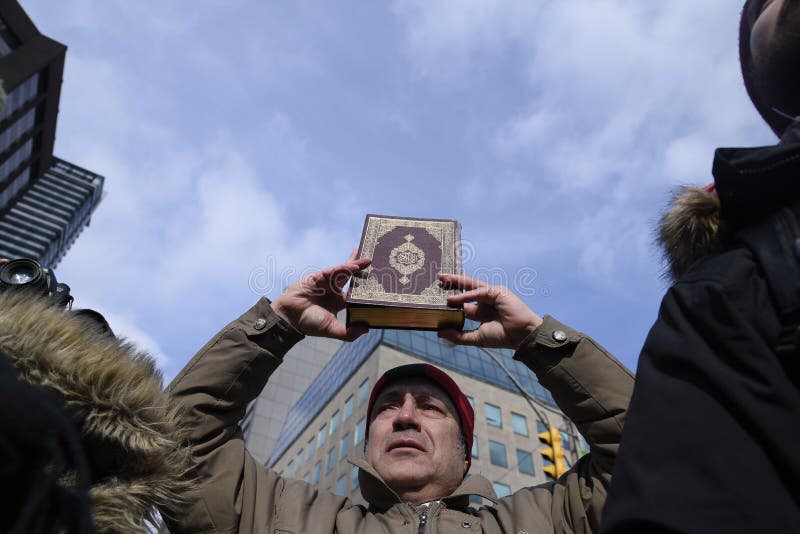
{"points": [[45, 202], [328, 421], [266, 415]]}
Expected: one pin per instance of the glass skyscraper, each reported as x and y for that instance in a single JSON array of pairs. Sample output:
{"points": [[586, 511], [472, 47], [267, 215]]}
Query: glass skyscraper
{"points": [[45, 202]]}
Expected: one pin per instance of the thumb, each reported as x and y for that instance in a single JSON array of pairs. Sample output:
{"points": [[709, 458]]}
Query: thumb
{"points": [[469, 337]]}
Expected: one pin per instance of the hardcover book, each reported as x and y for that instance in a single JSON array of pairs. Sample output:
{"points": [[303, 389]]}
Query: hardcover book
{"points": [[400, 288]]}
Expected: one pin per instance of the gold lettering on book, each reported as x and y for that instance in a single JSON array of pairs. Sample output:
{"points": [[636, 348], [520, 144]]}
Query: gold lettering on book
{"points": [[407, 258]]}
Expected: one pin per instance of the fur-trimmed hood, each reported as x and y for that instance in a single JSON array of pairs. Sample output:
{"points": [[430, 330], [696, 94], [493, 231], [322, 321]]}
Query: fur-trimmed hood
{"points": [[690, 229], [130, 431]]}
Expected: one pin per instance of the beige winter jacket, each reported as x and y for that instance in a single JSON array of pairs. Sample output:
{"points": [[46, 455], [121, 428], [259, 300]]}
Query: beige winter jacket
{"points": [[238, 494]]}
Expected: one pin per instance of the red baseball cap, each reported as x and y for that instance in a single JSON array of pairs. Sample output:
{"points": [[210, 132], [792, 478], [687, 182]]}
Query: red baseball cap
{"points": [[466, 415]]}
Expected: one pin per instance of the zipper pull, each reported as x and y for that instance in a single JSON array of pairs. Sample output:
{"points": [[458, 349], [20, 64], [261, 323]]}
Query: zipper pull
{"points": [[422, 514]]}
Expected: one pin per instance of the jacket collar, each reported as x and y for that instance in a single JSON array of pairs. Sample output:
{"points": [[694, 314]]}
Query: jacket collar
{"points": [[381, 497], [753, 182]]}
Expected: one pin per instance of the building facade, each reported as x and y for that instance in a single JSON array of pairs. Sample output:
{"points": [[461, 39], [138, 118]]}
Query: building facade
{"points": [[328, 421], [267, 414], [45, 202]]}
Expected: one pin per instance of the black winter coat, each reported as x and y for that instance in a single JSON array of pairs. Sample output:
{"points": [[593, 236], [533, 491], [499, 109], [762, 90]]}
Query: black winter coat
{"points": [[712, 439]]}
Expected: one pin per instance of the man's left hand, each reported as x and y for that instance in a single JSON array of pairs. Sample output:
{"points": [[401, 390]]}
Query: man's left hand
{"points": [[505, 319]]}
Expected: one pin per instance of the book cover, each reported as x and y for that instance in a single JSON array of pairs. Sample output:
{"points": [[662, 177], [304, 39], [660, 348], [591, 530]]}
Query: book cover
{"points": [[400, 288]]}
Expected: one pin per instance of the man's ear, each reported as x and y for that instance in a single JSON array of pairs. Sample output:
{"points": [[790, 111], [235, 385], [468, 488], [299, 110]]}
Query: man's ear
{"points": [[466, 467]]}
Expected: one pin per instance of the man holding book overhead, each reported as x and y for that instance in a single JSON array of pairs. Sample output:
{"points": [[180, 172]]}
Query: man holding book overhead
{"points": [[419, 424]]}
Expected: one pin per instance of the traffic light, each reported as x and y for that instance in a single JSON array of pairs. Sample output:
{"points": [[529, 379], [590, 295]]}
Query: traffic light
{"points": [[553, 452]]}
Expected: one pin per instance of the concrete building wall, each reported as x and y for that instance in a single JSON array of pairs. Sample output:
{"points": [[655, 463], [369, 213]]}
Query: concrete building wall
{"points": [[339, 433], [300, 367]]}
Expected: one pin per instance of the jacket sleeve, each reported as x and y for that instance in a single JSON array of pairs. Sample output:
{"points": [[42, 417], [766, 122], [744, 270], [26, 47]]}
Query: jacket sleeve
{"points": [[593, 389], [212, 392]]}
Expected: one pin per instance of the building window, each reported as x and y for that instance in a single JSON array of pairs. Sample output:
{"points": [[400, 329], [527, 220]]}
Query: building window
{"points": [[335, 422], [321, 436], [519, 423], [565, 440], [289, 469], [525, 462], [317, 471], [354, 479], [348, 408], [20, 96], [474, 446], [310, 450], [497, 454], [306, 477], [359, 435], [541, 427], [341, 485], [363, 392], [502, 490], [344, 446], [471, 401], [331, 460], [298, 461], [493, 417]]}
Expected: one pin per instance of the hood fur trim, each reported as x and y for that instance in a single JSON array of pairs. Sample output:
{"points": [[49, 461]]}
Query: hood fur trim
{"points": [[131, 433], [690, 229]]}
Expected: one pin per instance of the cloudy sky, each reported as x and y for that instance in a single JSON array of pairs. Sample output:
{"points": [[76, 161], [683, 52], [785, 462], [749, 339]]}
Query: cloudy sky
{"points": [[243, 142]]}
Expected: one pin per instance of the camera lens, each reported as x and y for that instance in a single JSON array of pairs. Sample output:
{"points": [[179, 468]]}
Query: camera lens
{"points": [[20, 278], [22, 272]]}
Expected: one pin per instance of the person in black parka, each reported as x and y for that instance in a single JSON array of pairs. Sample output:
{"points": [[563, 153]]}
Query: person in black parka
{"points": [[711, 439]]}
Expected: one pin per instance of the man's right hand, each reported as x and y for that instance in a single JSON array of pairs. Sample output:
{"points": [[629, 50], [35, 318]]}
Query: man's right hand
{"points": [[504, 319], [310, 304]]}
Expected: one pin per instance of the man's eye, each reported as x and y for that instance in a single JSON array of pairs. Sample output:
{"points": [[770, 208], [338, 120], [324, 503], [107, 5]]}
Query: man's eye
{"points": [[432, 407]]}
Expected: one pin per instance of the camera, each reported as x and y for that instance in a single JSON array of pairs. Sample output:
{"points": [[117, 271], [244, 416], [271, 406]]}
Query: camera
{"points": [[28, 274]]}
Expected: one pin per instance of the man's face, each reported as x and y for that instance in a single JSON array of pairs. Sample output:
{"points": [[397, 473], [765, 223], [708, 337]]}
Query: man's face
{"points": [[415, 440], [775, 47]]}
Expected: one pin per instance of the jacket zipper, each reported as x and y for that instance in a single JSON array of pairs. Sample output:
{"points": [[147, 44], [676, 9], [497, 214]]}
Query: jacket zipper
{"points": [[424, 514], [423, 520]]}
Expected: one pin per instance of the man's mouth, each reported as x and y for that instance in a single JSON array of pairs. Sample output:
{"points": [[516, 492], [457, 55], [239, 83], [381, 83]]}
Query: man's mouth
{"points": [[405, 443]]}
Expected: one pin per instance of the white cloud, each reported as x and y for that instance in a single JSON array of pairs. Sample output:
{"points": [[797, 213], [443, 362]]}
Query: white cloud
{"points": [[524, 132], [184, 220], [126, 326], [447, 39], [624, 100]]}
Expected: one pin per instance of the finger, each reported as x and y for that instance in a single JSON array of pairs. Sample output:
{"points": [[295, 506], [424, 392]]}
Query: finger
{"points": [[461, 281], [335, 303], [471, 311], [341, 277], [338, 330], [331, 279], [469, 337], [480, 313], [485, 294], [354, 332], [345, 269]]}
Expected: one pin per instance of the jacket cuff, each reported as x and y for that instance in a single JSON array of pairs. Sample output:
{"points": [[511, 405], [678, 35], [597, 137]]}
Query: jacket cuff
{"points": [[546, 346], [268, 329]]}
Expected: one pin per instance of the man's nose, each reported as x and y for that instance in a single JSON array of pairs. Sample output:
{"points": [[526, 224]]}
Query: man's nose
{"points": [[406, 416]]}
